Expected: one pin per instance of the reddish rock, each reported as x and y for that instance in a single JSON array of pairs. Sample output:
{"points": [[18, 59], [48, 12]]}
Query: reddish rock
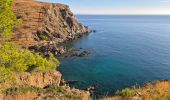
{"points": [[45, 22]]}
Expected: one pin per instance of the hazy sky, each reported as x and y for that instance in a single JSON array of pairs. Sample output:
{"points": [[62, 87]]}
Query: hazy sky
{"points": [[117, 6]]}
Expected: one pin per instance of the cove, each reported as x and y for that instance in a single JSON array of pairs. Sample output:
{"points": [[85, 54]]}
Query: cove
{"points": [[126, 50]]}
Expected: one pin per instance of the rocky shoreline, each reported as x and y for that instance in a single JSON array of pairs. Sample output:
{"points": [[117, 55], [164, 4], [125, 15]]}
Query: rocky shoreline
{"points": [[45, 26]]}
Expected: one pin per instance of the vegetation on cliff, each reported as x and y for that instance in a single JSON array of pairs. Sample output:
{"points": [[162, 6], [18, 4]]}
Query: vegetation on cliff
{"points": [[26, 75], [51, 92], [12, 57], [23, 72], [159, 90], [8, 20], [15, 60]]}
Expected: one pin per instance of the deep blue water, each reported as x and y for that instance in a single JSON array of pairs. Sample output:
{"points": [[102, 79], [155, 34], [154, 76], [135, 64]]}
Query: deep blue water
{"points": [[126, 50]]}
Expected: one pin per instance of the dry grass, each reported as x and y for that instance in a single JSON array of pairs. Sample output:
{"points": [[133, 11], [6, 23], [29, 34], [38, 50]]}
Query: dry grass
{"points": [[159, 90]]}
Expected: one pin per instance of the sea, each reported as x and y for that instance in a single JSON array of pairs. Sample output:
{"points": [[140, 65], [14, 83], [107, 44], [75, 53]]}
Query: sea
{"points": [[126, 51]]}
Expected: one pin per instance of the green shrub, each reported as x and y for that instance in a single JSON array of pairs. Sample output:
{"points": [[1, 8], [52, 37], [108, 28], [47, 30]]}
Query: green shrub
{"points": [[13, 58], [60, 91], [46, 65], [43, 37], [50, 92], [128, 92], [22, 89], [21, 60], [5, 74], [8, 20]]}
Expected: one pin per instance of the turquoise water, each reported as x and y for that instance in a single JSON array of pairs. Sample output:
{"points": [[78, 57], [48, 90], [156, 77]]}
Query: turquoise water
{"points": [[126, 50]]}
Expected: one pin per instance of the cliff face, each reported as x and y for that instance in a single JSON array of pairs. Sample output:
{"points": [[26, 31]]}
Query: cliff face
{"points": [[45, 23], [39, 86], [33, 79]]}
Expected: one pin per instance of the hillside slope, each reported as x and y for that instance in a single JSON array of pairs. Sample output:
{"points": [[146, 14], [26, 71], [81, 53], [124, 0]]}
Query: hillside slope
{"points": [[159, 90], [45, 23]]}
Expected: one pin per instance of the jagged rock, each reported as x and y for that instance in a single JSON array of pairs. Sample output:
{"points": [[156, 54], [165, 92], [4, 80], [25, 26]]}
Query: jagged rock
{"points": [[70, 82], [91, 89], [76, 53], [71, 53], [84, 53], [46, 49]]}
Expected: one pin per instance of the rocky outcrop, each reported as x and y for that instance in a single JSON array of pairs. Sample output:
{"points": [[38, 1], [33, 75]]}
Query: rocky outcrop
{"points": [[45, 23], [38, 79], [39, 86], [33, 79]]}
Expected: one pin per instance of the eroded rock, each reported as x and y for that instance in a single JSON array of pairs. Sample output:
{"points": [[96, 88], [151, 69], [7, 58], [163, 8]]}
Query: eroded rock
{"points": [[45, 22]]}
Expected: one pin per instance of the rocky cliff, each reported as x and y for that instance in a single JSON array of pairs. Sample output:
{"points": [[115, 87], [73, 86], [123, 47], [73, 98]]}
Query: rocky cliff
{"points": [[39, 86], [45, 23], [33, 79]]}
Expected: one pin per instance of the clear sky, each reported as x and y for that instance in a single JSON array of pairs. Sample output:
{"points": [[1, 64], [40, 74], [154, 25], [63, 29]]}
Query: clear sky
{"points": [[117, 6]]}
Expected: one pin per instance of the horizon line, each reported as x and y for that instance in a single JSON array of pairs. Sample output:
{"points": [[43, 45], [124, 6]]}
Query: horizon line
{"points": [[128, 14]]}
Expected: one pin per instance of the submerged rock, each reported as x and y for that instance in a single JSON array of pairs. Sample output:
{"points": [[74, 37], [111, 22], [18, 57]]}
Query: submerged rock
{"points": [[70, 82], [76, 53], [84, 53]]}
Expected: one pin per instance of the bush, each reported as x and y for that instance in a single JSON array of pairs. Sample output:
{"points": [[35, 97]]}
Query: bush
{"points": [[8, 20], [128, 92], [12, 58], [45, 65], [43, 37], [61, 91], [21, 60], [22, 89], [5, 74], [49, 92]]}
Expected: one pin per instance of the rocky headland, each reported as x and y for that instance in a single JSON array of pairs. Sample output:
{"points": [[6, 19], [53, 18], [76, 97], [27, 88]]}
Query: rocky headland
{"points": [[45, 26]]}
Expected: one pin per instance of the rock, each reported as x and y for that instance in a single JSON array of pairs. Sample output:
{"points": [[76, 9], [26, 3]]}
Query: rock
{"points": [[70, 82], [34, 48], [71, 53], [76, 53], [34, 79], [91, 89], [53, 22], [62, 82], [84, 53], [94, 31], [46, 49], [42, 81]]}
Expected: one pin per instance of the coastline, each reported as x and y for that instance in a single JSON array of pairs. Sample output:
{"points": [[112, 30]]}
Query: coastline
{"points": [[56, 24]]}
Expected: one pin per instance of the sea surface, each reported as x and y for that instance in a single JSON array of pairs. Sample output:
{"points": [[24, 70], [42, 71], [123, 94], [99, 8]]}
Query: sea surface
{"points": [[127, 50]]}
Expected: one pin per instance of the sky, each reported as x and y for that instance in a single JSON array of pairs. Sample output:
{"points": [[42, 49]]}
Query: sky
{"points": [[117, 6]]}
